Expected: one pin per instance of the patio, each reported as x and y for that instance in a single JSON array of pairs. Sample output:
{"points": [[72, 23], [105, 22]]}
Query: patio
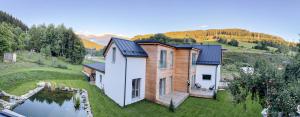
{"points": [[177, 98], [201, 92]]}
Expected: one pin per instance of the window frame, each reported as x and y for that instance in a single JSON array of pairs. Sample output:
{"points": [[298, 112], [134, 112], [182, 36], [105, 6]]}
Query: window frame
{"points": [[194, 56], [100, 78], [163, 59], [172, 59], [114, 51], [203, 76], [136, 88]]}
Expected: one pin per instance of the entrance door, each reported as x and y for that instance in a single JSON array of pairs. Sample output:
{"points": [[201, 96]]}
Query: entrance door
{"points": [[162, 86]]}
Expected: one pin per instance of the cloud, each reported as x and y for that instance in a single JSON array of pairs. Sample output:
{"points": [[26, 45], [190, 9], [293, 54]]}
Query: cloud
{"points": [[203, 26]]}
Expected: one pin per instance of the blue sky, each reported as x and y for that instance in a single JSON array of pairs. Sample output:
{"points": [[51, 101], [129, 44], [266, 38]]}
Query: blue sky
{"points": [[132, 17]]}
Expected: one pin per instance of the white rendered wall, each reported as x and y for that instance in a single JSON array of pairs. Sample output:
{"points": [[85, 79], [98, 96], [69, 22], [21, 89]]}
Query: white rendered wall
{"points": [[212, 70], [97, 80], [136, 68], [114, 76]]}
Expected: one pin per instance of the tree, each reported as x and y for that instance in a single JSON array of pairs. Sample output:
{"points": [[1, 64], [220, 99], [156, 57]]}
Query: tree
{"points": [[46, 51], [6, 37], [270, 86]]}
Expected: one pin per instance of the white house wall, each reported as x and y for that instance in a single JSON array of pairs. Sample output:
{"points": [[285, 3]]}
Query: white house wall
{"points": [[136, 68], [97, 80], [114, 76], [209, 70]]}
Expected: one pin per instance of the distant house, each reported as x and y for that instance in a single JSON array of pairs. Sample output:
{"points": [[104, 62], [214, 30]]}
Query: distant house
{"points": [[159, 72], [95, 73]]}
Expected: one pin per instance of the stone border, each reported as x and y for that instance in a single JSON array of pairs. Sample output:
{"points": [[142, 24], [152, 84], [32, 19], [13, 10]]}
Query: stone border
{"points": [[41, 85]]}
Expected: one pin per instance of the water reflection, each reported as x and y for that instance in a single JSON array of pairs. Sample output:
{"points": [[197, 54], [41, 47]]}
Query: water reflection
{"points": [[48, 103]]}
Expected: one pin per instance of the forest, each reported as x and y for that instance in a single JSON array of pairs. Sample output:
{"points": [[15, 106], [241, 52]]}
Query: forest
{"points": [[58, 41]]}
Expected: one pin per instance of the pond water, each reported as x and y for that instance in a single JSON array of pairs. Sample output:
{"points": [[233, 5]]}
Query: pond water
{"points": [[47, 103]]}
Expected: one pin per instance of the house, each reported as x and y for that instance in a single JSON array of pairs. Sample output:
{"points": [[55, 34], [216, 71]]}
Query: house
{"points": [[95, 73], [10, 57], [125, 71], [159, 72]]}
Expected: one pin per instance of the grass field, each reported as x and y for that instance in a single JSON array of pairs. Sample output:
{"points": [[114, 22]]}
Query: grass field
{"points": [[244, 47], [22, 76]]}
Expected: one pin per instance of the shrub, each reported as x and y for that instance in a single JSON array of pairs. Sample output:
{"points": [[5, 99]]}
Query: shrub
{"points": [[261, 46], [172, 107], [40, 62], [224, 41], [76, 102], [62, 66], [233, 42]]}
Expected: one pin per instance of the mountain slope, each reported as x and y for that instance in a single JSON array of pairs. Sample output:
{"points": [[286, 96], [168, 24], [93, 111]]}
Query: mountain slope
{"points": [[213, 34], [89, 44]]}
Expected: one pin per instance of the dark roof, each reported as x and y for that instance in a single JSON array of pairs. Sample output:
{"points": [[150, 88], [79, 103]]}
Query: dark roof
{"points": [[152, 41], [184, 46], [209, 54], [128, 48], [96, 66]]}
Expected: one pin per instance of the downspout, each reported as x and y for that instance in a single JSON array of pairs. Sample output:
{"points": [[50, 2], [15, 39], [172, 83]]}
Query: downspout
{"points": [[216, 78], [188, 87], [125, 81]]}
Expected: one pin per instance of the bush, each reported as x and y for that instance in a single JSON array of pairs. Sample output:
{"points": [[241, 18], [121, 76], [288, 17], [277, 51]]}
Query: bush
{"points": [[172, 107], [76, 102], [62, 66], [40, 62], [224, 41], [261, 46], [233, 42]]}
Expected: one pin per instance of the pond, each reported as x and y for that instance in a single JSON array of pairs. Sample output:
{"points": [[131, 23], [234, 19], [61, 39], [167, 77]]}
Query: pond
{"points": [[52, 103]]}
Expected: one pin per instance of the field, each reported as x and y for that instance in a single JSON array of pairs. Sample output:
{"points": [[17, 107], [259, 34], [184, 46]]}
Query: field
{"points": [[22, 76]]}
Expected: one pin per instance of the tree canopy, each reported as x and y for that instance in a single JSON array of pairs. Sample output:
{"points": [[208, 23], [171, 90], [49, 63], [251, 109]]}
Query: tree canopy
{"points": [[5, 17]]}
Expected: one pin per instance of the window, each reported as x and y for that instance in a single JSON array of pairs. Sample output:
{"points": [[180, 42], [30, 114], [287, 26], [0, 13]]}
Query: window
{"points": [[136, 88], [206, 77], [194, 59], [114, 55], [163, 59], [162, 86], [100, 79], [172, 58]]}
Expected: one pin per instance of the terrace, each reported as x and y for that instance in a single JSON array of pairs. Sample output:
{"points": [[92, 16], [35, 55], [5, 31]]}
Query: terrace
{"points": [[176, 97]]}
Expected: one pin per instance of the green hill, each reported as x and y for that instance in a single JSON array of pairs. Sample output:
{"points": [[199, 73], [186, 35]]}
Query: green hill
{"points": [[214, 34]]}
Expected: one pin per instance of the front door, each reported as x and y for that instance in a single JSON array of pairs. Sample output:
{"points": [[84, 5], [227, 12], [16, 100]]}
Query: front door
{"points": [[162, 86]]}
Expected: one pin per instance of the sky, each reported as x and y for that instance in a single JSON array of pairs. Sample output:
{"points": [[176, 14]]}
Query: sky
{"points": [[133, 17]]}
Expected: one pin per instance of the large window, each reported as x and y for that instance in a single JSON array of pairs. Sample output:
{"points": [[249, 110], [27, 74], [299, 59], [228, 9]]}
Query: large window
{"points": [[136, 88], [172, 58], [194, 59], [114, 55], [163, 59], [206, 77]]}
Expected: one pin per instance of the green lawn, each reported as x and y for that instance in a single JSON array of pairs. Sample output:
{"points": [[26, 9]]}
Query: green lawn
{"points": [[17, 79]]}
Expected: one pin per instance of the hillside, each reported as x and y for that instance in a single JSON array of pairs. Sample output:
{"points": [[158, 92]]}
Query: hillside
{"points": [[213, 34], [89, 44], [5, 17]]}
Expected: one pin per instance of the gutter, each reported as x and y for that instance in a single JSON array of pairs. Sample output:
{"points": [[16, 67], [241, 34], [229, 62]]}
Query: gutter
{"points": [[216, 78], [188, 87], [125, 81]]}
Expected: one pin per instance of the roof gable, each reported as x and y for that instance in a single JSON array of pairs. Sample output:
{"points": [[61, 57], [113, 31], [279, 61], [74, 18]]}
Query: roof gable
{"points": [[128, 48]]}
